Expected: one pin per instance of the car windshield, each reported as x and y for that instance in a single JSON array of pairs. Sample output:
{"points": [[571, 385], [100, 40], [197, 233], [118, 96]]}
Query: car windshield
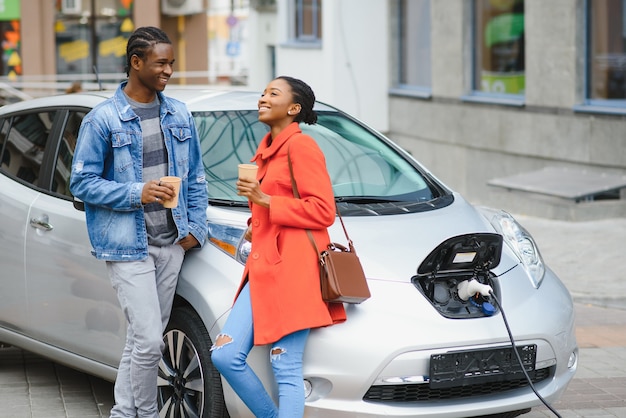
{"points": [[368, 174]]}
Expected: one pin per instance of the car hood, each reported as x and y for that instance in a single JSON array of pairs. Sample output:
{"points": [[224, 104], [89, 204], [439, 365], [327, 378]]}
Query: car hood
{"points": [[393, 247]]}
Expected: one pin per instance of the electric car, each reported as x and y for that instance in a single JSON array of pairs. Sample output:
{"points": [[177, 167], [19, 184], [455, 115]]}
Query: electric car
{"points": [[453, 286]]}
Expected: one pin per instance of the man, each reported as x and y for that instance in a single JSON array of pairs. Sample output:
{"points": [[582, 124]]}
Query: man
{"points": [[125, 145]]}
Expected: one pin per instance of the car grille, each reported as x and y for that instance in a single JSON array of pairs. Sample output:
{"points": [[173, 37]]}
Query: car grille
{"points": [[423, 392]]}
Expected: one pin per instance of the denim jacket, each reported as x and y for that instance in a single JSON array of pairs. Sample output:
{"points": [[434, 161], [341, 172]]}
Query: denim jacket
{"points": [[107, 176]]}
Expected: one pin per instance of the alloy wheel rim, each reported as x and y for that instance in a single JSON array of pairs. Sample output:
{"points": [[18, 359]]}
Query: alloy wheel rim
{"points": [[181, 380]]}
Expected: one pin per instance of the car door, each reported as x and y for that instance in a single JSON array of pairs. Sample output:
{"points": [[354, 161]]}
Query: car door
{"points": [[73, 305], [17, 192]]}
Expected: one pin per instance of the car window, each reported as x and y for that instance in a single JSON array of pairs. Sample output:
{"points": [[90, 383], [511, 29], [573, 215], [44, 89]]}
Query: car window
{"points": [[63, 163], [364, 168], [227, 139], [5, 157], [360, 164], [26, 137]]}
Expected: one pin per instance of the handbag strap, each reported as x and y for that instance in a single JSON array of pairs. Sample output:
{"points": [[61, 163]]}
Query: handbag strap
{"points": [[294, 187]]}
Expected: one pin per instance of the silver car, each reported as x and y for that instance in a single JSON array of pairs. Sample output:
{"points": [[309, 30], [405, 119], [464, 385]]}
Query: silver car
{"points": [[452, 285]]}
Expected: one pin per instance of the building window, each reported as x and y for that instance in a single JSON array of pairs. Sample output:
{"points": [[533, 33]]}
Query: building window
{"points": [[414, 63], [10, 34], [307, 20], [606, 52], [89, 39], [499, 47]]}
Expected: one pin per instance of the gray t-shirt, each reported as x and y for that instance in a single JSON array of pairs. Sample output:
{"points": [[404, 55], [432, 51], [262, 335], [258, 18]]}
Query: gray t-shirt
{"points": [[159, 222]]}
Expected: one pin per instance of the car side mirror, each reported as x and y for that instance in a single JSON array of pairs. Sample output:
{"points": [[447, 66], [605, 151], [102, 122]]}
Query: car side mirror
{"points": [[79, 204]]}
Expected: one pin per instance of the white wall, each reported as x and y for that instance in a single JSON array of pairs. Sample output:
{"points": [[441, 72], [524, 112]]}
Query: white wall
{"points": [[351, 68], [262, 36]]}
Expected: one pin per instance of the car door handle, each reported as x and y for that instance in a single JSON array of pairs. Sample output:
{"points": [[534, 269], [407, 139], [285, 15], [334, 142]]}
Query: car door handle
{"points": [[41, 223]]}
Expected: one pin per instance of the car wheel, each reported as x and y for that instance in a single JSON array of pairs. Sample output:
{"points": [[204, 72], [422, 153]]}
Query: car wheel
{"points": [[188, 385]]}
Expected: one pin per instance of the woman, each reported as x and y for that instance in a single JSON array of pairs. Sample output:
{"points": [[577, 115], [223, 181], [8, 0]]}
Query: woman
{"points": [[279, 298]]}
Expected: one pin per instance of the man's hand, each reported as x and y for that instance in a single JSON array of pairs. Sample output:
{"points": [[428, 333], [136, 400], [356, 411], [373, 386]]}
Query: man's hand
{"points": [[188, 242], [155, 191]]}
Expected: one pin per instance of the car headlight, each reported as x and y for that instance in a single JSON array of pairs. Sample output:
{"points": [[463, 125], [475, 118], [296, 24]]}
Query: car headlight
{"points": [[520, 241], [229, 238]]}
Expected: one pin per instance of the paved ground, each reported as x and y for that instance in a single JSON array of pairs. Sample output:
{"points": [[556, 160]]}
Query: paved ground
{"points": [[588, 256]]}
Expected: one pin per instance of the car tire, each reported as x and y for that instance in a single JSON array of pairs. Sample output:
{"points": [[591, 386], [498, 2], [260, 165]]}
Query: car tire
{"points": [[188, 384]]}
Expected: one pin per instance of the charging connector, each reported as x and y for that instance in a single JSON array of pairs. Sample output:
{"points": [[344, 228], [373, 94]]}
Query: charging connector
{"points": [[467, 288]]}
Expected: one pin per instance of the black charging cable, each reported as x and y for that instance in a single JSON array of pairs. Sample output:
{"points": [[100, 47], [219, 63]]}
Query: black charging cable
{"points": [[519, 359]]}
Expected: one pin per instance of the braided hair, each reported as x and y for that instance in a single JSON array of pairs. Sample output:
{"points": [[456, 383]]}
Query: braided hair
{"points": [[304, 96], [141, 40]]}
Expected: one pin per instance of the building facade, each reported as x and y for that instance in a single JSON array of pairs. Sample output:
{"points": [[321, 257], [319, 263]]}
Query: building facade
{"points": [[67, 40], [477, 90], [511, 87]]}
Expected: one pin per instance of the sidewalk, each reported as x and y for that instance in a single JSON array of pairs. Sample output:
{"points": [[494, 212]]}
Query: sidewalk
{"points": [[587, 256], [33, 387]]}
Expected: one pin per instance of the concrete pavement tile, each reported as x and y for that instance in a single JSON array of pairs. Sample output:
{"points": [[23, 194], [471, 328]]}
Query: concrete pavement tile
{"points": [[601, 362], [48, 414], [47, 391], [601, 336], [12, 388], [103, 393], [13, 378], [594, 413], [52, 411], [587, 256], [12, 402], [15, 412], [589, 315], [618, 412], [82, 411]]}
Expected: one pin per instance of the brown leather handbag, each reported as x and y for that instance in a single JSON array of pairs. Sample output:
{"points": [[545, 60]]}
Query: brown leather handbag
{"points": [[342, 279]]}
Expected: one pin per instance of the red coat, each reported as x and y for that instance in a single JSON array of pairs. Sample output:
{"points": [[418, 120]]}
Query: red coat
{"points": [[282, 267]]}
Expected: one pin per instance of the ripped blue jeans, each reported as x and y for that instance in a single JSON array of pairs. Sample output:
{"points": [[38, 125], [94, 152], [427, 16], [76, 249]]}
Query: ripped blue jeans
{"points": [[229, 356]]}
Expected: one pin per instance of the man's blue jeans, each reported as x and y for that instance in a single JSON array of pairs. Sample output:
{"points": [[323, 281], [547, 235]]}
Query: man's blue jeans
{"points": [[145, 290], [285, 355]]}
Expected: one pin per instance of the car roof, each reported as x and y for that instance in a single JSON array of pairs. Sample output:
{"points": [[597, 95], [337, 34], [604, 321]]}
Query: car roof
{"points": [[197, 98]]}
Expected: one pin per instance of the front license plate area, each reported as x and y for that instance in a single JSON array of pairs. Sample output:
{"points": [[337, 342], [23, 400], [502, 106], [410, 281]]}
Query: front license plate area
{"points": [[470, 367]]}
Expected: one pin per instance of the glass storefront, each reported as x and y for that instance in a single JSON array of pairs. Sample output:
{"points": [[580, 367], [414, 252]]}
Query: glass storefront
{"points": [[499, 46], [11, 63], [89, 39], [607, 51], [414, 43]]}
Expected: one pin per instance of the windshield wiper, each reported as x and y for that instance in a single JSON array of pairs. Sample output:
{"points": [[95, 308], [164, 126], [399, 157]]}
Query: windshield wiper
{"points": [[230, 203], [365, 199]]}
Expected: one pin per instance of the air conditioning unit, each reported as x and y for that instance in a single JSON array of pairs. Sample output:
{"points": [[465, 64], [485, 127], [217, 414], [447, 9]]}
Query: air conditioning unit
{"points": [[181, 7], [71, 7], [263, 5]]}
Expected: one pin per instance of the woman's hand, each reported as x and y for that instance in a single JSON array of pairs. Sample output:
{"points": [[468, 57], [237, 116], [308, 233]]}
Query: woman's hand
{"points": [[252, 190]]}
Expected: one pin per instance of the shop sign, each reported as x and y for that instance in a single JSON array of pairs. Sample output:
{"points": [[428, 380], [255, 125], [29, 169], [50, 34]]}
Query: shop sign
{"points": [[9, 9], [74, 51]]}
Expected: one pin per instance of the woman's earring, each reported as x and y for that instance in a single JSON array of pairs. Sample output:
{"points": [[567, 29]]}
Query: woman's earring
{"points": [[289, 112]]}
